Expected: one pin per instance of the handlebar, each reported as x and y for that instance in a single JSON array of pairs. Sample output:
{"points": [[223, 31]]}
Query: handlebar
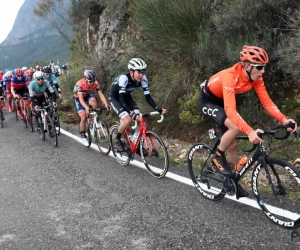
{"points": [[272, 132], [149, 114], [100, 110]]}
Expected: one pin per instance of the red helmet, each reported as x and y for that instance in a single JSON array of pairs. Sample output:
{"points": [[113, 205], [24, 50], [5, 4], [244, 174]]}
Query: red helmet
{"points": [[19, 72], [28, 72], [254, 54]]}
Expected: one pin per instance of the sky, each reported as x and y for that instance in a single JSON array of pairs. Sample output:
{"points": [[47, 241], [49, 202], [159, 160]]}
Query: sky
{"points": [[9, 11]]}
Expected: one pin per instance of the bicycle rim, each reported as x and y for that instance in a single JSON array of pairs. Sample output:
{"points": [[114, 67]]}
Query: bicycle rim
{"points": [[57, 125], [121, 157], [281, 205], [102, 137], [52, 132], [204, 175], [41, 131], [29, 118], [89, 136], [156, 159]]}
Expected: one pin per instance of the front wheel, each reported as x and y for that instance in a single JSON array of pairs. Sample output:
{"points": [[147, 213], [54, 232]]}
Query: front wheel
{"points": [[29, 118], [278, 192], [52, 131], [205, 176], [41, 131], [154, 154], [102, 137], [121, 157]]}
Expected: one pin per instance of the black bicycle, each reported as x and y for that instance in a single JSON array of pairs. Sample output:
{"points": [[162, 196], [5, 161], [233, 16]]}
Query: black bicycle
{"points": [[275, 182]]}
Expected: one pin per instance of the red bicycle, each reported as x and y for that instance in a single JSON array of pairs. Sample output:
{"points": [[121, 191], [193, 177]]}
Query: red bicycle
{"points": [[147, 144], [27, 112]]}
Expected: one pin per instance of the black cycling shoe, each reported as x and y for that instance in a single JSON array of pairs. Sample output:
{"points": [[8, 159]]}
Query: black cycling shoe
{"points": [[241, 192], [119, 144], [220, 162]]}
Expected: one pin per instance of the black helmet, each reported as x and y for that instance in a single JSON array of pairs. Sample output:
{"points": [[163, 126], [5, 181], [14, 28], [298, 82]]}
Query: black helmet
{"points": [[47, 70]]}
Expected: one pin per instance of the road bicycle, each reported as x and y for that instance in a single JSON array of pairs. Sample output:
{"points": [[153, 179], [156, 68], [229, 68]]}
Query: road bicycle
{"points": [[54, 115], [275, 182], [47, 124], [97, 130], [149, 145]]}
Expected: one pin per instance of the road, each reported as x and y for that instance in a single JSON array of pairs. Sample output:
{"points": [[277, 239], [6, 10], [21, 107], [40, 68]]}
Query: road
{"points": [[71, 197]]}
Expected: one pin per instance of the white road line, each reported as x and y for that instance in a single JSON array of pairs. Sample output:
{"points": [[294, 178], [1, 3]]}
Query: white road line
{"points": [[187, 181]]}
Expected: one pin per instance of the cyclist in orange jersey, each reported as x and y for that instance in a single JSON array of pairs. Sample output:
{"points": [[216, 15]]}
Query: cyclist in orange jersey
{"points": [[218, 101]]}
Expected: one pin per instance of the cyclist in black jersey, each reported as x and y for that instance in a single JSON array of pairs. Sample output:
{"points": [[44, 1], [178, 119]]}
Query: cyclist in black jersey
{"points": [[122, 101]]}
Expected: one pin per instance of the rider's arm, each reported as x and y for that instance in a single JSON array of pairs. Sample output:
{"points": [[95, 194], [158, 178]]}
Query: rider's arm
{"points": [[51, 90], [266, 101], [102, 97]]}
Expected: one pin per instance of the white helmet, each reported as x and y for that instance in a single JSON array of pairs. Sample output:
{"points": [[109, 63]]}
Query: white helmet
{"points": [[38, 74], [24, 68], [137, 64], [8, 73]]}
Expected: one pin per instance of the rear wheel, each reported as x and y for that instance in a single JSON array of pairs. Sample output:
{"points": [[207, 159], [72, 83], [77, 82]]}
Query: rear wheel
{"points": [[154, 154], [51, 131], [278, 193], [102, 137], [121, 157], [88, 135], [205, 176]]}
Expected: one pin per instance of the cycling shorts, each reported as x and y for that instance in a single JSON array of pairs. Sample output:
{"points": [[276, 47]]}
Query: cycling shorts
{"points": [[79, 107], [118, 108], [213, 108]]}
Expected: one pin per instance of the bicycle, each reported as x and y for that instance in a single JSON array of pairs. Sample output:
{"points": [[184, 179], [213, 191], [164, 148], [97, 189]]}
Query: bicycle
{"points": [[55, 116], [1, 111], [26, 112], [269, 179], [149, 145], [47, 124], [97, 129]]}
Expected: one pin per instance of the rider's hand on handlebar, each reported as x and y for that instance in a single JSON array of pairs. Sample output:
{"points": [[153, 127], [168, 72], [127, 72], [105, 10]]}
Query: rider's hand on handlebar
{"points": [[287, 122], [254, 138], [162, 111], [87, 111]]}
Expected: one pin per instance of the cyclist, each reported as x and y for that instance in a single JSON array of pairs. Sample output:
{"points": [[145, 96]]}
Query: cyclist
{"points": [[7, 83], [218, 101], [2, 90], [51, 78], [122, 101], [37, 91], [83, 98], [2, 102], [19, 88], [29, 74]]}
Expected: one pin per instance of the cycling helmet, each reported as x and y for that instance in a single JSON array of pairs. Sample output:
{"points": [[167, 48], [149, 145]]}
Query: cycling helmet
{"points": [[6, 70], [9, 73], [254, 54], [37, 67], [19, 72], [24, 69], [47, 70], [137, 64], [28, 72], [38, 74], [90, 75]]}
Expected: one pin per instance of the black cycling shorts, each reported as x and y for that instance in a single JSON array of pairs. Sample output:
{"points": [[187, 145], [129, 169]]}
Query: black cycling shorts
{"points": [[118, 108]]}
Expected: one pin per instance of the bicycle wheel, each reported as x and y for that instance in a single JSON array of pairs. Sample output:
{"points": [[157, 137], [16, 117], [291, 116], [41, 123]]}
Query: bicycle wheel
{"points": [[29, 118], [57, 125], [154, 154], [24, 116], [1, 117], [42, 130], [102, 137], [278, 194], [16, 112], [51, 131], [121, 157], [89, 136], [205, 176]]}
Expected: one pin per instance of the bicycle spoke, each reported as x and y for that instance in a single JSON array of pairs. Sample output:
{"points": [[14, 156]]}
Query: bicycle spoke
{"points": [[278, 193]]}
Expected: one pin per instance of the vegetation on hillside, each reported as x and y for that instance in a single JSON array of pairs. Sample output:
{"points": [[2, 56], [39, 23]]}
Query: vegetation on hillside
{"points": [[186, 41]]}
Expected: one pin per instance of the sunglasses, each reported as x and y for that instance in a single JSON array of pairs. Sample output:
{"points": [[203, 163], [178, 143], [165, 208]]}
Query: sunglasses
{"points": [[39, 79], [258, 66], [29, 75], [19, 75], [141, 71], [90, 80]]}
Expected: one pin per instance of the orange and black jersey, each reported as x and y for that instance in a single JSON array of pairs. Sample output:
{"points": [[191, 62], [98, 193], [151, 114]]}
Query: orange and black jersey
{"points": [[228, 83]]}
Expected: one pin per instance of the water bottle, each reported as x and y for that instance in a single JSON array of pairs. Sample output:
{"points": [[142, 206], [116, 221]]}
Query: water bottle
{"points": [[135, 136], [241, 163]]}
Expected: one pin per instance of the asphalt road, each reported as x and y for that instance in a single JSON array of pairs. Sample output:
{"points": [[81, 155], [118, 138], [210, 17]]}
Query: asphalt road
{"points": [[71, 197]]}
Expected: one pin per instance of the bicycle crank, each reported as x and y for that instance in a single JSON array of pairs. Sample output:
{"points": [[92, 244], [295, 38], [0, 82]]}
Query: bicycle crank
{"points": [[229, 186]]}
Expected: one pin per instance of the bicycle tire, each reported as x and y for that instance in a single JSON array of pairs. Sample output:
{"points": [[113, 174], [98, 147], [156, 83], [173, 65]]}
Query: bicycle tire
{"points": [[121, 157], [283, 207], [157, 159], [1, 116], [16, 113], [29, 118], [24, 115], [57, 125], [205, 176], [102, 137], [41, 131], [52, 131]]}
